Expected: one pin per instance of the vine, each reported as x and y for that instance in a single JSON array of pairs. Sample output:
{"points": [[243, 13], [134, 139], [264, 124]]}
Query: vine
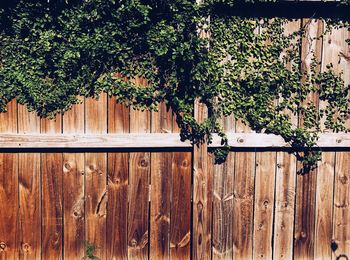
{"points": [[52, 52]]}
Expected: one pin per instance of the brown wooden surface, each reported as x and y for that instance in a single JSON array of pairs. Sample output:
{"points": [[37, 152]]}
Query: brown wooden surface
{"points": [[223, 178], [118, 174], [139, 167], [339, 50], [161, 173], [306, 184], [202, 195], [243, 205], [96, 177], [29, 190], [51, 201], [9, 229], [73, 189], [180, 216], [264, 204], [285, 186]]}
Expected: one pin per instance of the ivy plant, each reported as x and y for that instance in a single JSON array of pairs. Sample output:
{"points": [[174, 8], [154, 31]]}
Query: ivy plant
{"points": [[145, 52]]}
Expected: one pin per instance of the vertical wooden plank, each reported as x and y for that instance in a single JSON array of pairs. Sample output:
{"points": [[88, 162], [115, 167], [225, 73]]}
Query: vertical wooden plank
{"points": [[337, 52], [118, 174], [324, 203], [180, 230], [325, 179], [29, 190], [139, 169], [9, 189], [223, 176], [341, 227], [96, 177], [243, 206], [52, 185], [202, 194], [285, 186], [180, 215], [161, 173], [73, 189], [264, 201], [284, 206], [306, 184]]}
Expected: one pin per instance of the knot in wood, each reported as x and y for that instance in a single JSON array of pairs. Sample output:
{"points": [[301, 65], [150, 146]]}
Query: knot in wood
{"points": [[185, 163], [2, 246], [343, 179], [133, 242], [279, 165], [26, 248], [67, 166], [143, 163], [339, 140], [266, 203]]}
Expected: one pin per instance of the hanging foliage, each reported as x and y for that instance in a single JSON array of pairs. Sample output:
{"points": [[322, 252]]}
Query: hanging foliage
{"points": [[52, 52]]}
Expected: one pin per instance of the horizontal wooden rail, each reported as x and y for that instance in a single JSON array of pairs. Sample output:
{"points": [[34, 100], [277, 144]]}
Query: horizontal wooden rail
{"points": [[246, 140], [133, 140]]}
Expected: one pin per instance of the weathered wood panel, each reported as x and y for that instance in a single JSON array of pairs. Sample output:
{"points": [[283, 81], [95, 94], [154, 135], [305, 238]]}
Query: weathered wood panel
{"points": [[9, 229], [202, 195], [96, 177], [306, 184], [73, 189], [243, 206], [118, 174], [264, 204], [180, 216], [285, 185], [51, 201], [29, 190], [339, 52], [341, 227], [139, 168], [223, 177], [161, 173]]}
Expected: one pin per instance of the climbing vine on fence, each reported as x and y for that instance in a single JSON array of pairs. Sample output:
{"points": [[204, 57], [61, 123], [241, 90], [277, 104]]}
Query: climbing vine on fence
{"points": [[52, 52]]}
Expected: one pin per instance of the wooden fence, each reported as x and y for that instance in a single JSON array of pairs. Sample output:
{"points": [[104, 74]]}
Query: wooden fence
{"points": [[121, 180]]}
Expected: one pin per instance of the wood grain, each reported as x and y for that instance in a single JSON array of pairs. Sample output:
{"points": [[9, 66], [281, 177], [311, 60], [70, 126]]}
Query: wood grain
{"points": [[202, 195], [52, 195], [118, 174], [243, 205], [139, 176], [156, 140], [180, 216], [337, 51], [73, 188], [306, 184], [284, 206], [341, 228], [223, 178], [263, 206], [96, 177], [285, 183], [29, 190], [9, 190], [161, 176]]}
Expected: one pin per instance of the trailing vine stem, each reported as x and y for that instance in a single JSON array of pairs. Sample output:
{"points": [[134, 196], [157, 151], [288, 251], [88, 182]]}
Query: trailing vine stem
{"points": [[52, 52]]}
